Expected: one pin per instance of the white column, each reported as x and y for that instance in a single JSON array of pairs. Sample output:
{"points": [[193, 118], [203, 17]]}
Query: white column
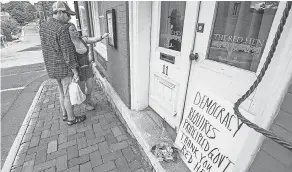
{"points": [[139, 36]]}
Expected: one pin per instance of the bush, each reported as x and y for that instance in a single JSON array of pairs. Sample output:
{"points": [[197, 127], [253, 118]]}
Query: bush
{"points": [[9, 27]]}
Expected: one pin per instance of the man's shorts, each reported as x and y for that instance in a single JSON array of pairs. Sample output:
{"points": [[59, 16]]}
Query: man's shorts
{"points": [[64, 85], [85, 73]]}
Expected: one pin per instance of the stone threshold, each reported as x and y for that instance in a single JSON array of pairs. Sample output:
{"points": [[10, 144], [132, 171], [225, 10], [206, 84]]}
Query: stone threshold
{"points": [[145, 126]]}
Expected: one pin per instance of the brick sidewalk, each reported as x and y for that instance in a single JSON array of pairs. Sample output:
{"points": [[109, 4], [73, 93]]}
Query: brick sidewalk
{"points": [[99, 144]]}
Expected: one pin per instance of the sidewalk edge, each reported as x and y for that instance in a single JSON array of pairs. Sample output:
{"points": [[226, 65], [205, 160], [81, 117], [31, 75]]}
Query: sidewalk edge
{"points": [[16, 144]]}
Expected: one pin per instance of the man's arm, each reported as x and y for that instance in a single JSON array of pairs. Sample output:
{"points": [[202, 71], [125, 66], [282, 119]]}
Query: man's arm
{"points": [[68, 50]]}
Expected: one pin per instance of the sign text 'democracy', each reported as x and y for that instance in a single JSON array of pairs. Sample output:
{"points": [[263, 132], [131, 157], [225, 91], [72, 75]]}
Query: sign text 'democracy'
{"points": [[210, 135]]}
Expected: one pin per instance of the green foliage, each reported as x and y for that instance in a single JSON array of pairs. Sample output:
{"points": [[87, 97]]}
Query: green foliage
{"points": [[8, 27], [21, 11], [48, 5]]}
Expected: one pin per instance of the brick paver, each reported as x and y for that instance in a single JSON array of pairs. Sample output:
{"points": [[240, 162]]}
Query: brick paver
{"points": [[100, 144]]}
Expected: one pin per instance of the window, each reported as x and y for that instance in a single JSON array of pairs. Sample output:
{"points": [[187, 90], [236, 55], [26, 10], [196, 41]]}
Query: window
{"points": [[99, 26], [240, 42], [236, 8], [171, 24]]}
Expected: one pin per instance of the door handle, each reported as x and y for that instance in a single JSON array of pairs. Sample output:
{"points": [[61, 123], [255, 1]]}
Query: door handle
{"points": [[194, 56]]}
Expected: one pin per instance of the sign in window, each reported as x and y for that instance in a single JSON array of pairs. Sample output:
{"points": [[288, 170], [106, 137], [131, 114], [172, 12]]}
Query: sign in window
{"points": [[240, 32]]}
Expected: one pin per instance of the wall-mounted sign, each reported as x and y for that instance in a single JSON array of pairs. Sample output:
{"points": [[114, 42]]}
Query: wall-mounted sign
{"points": [[111, 27], [211, 136]]}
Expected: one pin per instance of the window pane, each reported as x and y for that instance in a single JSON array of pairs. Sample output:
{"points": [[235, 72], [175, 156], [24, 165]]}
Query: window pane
{"points": [[240, 33], [171, 24]]}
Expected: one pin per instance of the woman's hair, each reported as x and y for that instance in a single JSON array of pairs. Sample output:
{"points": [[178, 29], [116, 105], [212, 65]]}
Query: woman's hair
{"points": [[71, 24]]}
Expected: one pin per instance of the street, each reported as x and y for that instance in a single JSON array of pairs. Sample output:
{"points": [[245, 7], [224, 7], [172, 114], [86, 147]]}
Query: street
{"points": [[22, 72]]}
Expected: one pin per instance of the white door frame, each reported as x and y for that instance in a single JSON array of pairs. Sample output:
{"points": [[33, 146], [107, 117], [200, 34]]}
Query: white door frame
{"points": [[140, 41]]}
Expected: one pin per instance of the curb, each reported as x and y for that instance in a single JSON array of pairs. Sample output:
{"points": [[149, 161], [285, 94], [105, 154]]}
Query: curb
{"points": [[16, 144]]}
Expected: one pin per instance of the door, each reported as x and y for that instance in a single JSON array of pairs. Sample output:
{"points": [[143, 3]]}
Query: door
{"points": [[231, 43], [233, 47], [169, 62]]}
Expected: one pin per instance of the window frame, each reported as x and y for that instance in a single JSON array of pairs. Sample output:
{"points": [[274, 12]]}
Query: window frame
{"points": [[98, 47]]}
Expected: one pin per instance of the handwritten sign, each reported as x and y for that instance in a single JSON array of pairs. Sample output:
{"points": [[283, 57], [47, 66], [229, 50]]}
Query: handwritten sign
{"points": [[211, 136]]}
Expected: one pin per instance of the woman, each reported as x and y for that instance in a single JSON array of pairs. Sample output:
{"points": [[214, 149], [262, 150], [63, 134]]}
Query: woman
{"points": [[84, 70]]}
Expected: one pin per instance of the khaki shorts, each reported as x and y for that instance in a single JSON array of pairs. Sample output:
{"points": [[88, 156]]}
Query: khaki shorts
{"points": [[63, 85]]}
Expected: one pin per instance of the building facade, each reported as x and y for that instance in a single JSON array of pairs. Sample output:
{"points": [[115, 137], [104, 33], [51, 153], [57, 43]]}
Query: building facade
{"points": [[188, 63]]}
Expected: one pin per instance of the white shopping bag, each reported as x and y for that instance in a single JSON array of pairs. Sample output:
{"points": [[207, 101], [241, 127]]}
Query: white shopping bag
{"points": [[76, 95]]}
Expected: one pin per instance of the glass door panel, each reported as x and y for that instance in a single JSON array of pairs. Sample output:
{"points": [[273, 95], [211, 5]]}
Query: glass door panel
{"points": [[171, 24], [240, 32]]}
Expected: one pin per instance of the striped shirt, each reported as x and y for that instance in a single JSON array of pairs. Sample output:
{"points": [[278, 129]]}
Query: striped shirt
{"points": [[58, 49]]}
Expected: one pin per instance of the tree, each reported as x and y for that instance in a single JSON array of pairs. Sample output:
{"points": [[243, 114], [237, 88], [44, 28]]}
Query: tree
{"points": [[17, 15], [21, 11], [45, 7], [9, 27]]}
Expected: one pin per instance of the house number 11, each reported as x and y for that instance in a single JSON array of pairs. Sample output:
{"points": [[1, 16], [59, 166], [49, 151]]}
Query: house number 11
{"points": [[165, 70]]}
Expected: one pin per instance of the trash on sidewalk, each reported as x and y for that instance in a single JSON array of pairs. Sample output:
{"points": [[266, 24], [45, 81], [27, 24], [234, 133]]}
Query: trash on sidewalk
{"points": [[165, 152]]}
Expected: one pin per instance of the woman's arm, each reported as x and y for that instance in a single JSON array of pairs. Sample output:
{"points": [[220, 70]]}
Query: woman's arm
{"points": [[92, 40]]}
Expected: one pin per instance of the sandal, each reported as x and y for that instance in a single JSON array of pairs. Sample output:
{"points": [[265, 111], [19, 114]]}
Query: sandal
{"points": [[64, 117], [90, 100], [78, 119]]}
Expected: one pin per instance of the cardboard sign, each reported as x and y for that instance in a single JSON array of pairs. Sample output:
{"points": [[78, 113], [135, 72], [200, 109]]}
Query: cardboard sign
{"points": [[211, 136]]}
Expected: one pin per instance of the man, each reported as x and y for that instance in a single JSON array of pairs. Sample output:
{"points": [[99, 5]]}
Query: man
{"points": [[59, 56]]}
